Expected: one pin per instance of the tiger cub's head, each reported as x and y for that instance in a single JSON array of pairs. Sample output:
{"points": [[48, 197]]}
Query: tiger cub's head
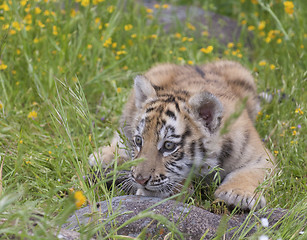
{"points": [[172, 131]]}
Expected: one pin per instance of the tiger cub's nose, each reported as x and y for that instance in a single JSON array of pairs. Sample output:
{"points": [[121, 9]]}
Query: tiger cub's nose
{"points": [[141, 180]]}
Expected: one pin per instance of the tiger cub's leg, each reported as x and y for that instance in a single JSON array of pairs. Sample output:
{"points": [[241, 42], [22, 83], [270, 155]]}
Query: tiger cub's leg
{"points": [[238, 188], [105, 155]]}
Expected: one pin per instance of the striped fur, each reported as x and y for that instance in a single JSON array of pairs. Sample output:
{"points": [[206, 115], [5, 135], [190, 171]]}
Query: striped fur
{"points": [[173, 120]]}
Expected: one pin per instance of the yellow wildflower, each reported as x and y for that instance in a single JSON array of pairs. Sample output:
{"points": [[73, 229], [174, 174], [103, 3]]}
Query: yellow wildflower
{"points": [[21, 142], [46, 13], [177, 35], [289, 7], [190, 26], [32, 115], [23, 2], [128, 27], [89, 46], [262, 63], [298, 110], [275, 152], [251, 28], [85, 3], [190, 62], [254, 1], [157, 6], [243, 22], [80, 199], [208, 49], [279, 40], [110, 9], [272, 67], [261, 33], [28, 19], [133, 35], [12, 31], [37, 10], [1, 105], [182, 49], [118, 90], [49, 152], [16, 25], [149, 10], [261, 25], [153, 36], [73, 13], [5, 26], [165, 6], [54, 30], [121, 52], [5, 7], [40, 24], [3, 66], [205, 33], [107, 42], [230, 45], [268, 39], [294, 133]]}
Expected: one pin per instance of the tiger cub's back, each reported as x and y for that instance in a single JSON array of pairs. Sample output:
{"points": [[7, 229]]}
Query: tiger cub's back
{"points": [[227, 80]]}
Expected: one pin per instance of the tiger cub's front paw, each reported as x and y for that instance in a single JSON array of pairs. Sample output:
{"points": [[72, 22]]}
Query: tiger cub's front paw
{"points": [[103, 156], [246, 200]]}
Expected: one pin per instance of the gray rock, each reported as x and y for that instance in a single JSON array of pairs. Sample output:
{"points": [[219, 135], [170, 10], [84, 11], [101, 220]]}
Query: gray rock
{"points": [[191, 221], [220, 27]]}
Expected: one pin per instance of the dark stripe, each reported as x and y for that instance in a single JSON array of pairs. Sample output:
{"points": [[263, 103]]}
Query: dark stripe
{"points": [[192, 149], [170, 114], [171, 170], [176, 166], [175, 136], [150, 109], [170, 128], [259, 159], [177, 156], [186, 134], [177, 106], [157, 88], [245, 142], [200, 72], [243, 84], [201, 147], [190, 165], [226, 151]]}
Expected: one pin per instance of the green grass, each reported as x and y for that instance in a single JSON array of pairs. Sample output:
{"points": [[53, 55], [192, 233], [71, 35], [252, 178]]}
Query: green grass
{"points": [[73, 65]]}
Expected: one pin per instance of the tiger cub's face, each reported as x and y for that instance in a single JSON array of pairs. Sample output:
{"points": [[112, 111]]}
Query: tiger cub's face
{"points": [[172, 132]]}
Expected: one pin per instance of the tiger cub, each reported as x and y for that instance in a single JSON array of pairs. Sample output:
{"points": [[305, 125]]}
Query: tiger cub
{"points": [[174, 120]]}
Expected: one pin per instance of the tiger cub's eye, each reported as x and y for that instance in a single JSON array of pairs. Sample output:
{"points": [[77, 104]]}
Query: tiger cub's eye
{"points": [[169, 146], [138, 141]]}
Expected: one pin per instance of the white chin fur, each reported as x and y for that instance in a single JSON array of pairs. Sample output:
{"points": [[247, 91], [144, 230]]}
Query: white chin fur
{"points": [[144, 192]]}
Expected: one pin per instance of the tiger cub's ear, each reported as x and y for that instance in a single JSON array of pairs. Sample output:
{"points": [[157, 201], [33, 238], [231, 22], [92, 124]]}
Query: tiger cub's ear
{"points": [[143, 90], [208, 108]]}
